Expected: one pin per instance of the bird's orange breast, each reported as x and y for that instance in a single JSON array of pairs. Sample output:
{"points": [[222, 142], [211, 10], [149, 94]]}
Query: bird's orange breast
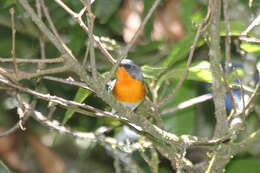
{"points": [[128, 89]]}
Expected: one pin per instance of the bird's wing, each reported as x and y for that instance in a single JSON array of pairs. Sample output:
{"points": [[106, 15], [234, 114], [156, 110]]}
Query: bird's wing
{"points": [[110, 85]]}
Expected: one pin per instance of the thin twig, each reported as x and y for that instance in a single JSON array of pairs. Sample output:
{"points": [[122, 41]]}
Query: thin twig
{"points": [[69, 82], [252, 98], [86, 54], [126, 49], [61, 129], [52, 26], [228, 89], [41, 40], [188, 103], [52, 124], [252, 25], [252, 140], [67, 54], [13, 42], [34, 61], [249, 39], [11, 130], [227, 38], [91, 19], [78, 19], [19, 123], [25, 75]]}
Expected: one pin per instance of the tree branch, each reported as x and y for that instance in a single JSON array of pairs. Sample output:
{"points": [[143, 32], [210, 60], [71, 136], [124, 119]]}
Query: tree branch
{"points": [[217, 73], [34, 61]]}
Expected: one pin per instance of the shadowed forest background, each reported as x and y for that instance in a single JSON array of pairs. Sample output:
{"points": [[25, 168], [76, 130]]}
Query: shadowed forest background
{"points": [[172, 46]]}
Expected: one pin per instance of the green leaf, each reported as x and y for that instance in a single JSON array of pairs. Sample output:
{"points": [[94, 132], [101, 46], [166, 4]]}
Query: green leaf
{"points": [[180, 50], [152, 72], [77, 39], [4, 168], [115, 24], [242, 166], [80, 97], [198, 72], [251, 48], [8, 3], [187, 10], [105, 9], [236, 27], [174, 122]]}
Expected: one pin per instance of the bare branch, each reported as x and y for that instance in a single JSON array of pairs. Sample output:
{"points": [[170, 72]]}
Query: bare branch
{"points": [[41, 40], [61, 47], [188, 103], [25, 75], [252, 25], [34, 61], [52, 26], [217, 73], [247, 143], [61, 129], [249, 39], [21, 122], [227, 30], [91, 19], [69, 82], [13, 42]]}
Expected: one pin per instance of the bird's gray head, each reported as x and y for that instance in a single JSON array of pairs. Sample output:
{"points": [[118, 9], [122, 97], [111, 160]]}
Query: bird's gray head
{"points": [[133, 69]]}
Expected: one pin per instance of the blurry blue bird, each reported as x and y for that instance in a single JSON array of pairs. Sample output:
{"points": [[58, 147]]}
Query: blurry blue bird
{"points": [[249, 80]]}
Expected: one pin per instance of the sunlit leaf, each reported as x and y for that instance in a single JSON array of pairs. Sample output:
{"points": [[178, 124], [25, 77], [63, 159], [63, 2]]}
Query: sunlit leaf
{"points": [[251, 48], [80, 97], [198, 72], [152, 72], [236, 27]]}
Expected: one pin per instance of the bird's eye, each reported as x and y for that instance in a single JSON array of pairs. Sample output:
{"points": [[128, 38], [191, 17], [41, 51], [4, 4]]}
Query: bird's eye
{"points": [[127, 66]]}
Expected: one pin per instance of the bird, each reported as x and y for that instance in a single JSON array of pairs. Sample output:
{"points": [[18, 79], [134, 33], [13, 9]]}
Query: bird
{"points": [[128, 89], [249, 80], [235, 99]]}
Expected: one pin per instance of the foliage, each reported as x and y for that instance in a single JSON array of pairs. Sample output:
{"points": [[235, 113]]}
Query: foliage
{"points": [[162, 62]]}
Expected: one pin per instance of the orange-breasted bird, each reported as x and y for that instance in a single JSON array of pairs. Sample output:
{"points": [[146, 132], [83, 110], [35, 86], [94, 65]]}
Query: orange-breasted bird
{"points": [[129, 88]]}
